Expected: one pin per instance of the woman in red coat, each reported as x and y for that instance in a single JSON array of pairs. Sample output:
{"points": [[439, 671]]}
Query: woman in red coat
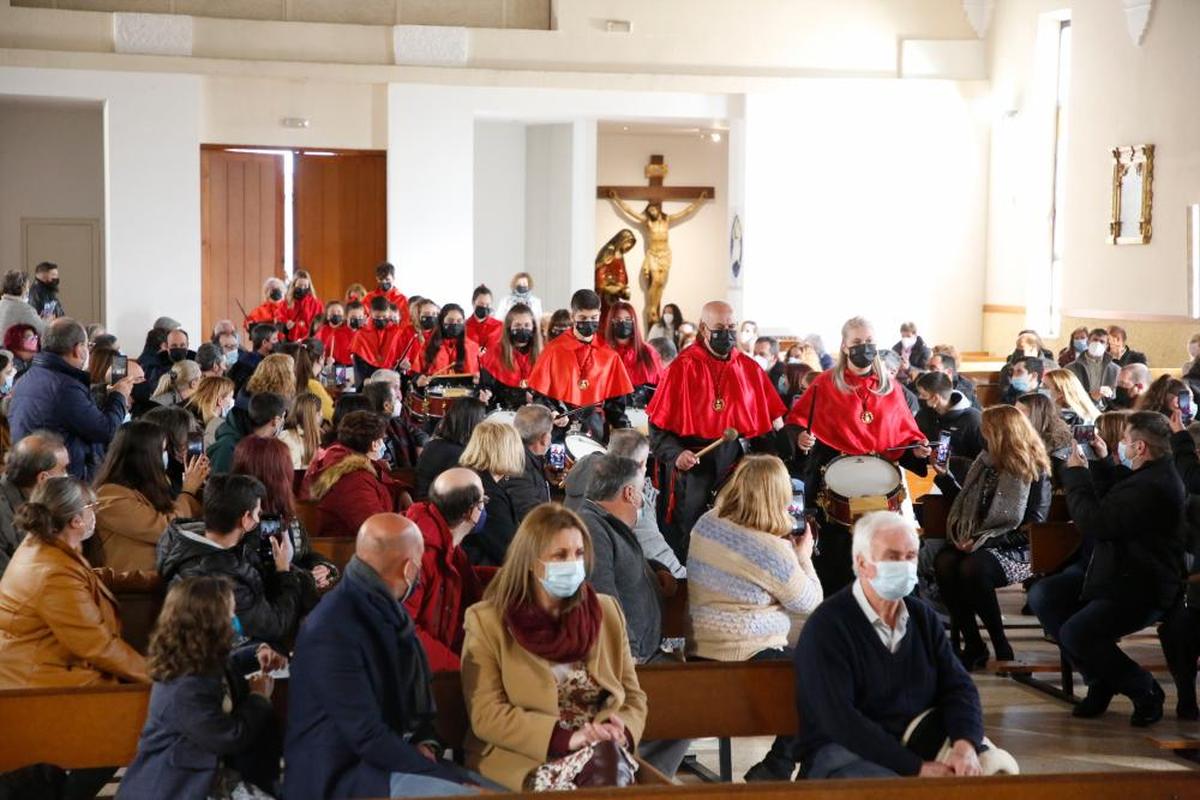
{"points": [[302, 308], [350, 480]]}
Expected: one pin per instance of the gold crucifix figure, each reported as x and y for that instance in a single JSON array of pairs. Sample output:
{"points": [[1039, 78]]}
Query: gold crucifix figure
{"points": [[656, 264]]}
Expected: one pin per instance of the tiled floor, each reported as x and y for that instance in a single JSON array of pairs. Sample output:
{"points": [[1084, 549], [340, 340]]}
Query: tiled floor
{"points": [[1037, 729]]}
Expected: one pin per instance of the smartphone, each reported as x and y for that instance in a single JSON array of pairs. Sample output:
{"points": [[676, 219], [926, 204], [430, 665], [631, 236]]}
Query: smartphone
{"points": [[270, 526], [557, 456], [1185, 406], [195, 445], [1083, 433], [339, 375], [942, 456], [120, 367]]}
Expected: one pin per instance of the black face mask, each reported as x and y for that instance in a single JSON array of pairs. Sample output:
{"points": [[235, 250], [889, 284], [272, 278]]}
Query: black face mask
{"points": [[482, 312], [385, 286], [862, 355], [335, 321], [522, 289], [521, 335], [355, 323], [452, 330], [428, 323], [1122, 398], [380, 323], [722, 341], [276, 295], [52, 284], [177, 353], [587, 328], [300, 292], [623, 329]]}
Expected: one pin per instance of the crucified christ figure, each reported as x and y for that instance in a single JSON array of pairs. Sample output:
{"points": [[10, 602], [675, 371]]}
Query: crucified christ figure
{"points": [[656, 264]]}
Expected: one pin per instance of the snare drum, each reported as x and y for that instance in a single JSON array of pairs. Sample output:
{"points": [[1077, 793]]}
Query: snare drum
{"points": [[639, 420], [857, 485], [503, 415], [436, 401], [579, 446]]}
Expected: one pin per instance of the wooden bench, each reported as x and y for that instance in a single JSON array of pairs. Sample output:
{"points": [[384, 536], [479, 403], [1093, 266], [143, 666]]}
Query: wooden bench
{"points": [[1051, 545], [337, 549], [139, 597], [1184, 745]]}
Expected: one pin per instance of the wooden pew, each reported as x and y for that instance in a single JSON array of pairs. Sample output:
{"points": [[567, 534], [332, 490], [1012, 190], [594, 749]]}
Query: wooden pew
{"points": [[306, 512], [73, 728], [933, 510], [337, 549], [139, 597], [1051, 545], [1184, 745], [675, 612]]}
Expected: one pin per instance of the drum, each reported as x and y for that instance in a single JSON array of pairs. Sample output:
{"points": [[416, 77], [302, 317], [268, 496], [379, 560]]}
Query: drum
{"points": [[639, 420], [436, 401], [857, 485], [579, 446], [503, 415]]}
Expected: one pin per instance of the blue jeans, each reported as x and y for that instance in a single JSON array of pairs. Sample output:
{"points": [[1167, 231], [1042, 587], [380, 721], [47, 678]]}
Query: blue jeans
{"points": [[404, 784], [835, 761], [1056, 597]]}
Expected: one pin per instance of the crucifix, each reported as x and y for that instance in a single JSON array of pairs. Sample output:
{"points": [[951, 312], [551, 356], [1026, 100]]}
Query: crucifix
{"points": [[656, 264]]}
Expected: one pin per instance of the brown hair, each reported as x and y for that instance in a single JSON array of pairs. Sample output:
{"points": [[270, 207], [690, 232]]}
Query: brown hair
{"points": [[757, 496], [506, 348], [193, 635], [276, 374], [1013, 444], [1110, 427], [1158, 395], [1046, 421], [208, 395], [513, 584], [305, 419]]}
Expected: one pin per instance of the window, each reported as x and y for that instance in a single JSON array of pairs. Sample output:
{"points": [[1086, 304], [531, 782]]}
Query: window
{"points": [[1060, 183]]}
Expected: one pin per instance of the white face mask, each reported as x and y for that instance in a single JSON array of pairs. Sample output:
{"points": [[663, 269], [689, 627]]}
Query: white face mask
{"points": [[908, 341], [764, 362], [1096, 349], [748, 336], [166, 459], [668, 319]]}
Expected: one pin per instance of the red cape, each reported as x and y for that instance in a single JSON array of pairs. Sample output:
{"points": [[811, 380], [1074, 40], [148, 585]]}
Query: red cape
{"points": [[517, 377], [337, 342], [561, 368], [301, 315], [382, 348], [639, 373], [838, 416], [486, 334], [269, 311], [394, 297], [684, 401], [443, 362]]}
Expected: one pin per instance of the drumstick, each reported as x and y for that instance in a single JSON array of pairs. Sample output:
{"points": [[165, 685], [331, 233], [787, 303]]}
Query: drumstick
{"points": [[574, 411], [407, 347], [912, 446], [729, 435]]}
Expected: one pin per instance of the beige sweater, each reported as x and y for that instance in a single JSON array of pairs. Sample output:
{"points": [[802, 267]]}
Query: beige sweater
{"points": [[745, 590]]}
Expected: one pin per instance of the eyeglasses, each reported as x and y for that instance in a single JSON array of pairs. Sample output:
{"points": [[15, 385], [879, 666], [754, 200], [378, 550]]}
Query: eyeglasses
{"points": [[484, 500], [92, 505]]}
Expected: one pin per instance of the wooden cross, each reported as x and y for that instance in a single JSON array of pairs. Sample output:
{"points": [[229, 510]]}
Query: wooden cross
{"points": [[655, 191]]}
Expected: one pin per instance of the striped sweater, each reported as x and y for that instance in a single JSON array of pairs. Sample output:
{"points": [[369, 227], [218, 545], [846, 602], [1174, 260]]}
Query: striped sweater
{"points": [[745, 589]]}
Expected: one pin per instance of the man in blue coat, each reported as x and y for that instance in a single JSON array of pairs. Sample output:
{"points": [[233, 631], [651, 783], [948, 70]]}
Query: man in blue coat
{"points": [[360, 709], [55, 395]]}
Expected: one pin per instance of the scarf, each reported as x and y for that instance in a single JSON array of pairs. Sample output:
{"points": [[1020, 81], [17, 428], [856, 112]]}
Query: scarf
{"points": [[560, 641], [991, 503], [413, 674]]}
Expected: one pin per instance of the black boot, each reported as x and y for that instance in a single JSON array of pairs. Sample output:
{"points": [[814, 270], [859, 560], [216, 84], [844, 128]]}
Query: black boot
{"points": [[771, 768], [1148, 708], [1095, 704]]}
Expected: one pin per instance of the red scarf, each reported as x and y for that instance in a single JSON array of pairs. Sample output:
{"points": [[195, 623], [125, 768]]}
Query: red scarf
{"points": [[560, 641]]}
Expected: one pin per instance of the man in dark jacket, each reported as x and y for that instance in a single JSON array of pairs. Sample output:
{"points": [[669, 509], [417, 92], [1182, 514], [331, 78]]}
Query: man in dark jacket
{"points": [[43, 294], [263, 338], [264, 418], [54, 395], [1136, 568], [914, 353], [1118, 348], [267, 606], [530, 488], [948, 366], [360, 710], [38, 456], [945, 410]]}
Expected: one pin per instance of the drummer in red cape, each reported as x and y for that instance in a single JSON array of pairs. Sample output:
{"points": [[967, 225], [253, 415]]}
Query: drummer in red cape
{"points": [[854, 409], [710, 387], [505, 368], [580, 370], [641, 361], [381, 344]]}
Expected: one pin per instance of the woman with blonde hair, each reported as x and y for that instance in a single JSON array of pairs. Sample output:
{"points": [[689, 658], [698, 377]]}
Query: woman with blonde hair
{"points": [[852, 409], [1006, 489], [211, 401], [178, 384], [548, 678], [751, 580], [495, 452], [276, 374], [302, 430], [1070, 397]]}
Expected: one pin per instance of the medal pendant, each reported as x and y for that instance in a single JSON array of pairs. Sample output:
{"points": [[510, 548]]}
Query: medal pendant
{"points": [[867, 417], [584, 383], [719, 404]]}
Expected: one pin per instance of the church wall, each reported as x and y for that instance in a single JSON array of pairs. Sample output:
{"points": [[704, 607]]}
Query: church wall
{"points": [[867, 198], [152, 189], [1120, 94], [499, 204], [699, 244]]}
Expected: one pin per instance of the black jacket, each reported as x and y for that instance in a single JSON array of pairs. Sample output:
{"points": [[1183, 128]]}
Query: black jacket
{"points": [[962, 421], [966, 387], [918, 357], [268, 607], [1187, 462], [1131, 356], [530, 488], [488, 546], [45, 302], [436, 457], [1136, 524]]}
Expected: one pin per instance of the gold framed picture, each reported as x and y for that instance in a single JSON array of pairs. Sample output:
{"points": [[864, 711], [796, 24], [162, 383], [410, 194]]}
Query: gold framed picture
{"points": [[1132, 194]]}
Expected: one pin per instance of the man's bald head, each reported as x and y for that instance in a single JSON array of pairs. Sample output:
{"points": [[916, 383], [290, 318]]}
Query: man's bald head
{"points": [[716, 314], [388, 543], [456, 494]]}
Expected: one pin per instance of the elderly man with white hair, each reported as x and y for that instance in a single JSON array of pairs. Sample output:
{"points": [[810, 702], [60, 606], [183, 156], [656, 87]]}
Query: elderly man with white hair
{"points": [[879, 690]]}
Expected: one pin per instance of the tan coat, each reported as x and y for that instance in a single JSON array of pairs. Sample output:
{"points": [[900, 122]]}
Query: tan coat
{"points": [[128, 527], [512, 697], [59, 624]]}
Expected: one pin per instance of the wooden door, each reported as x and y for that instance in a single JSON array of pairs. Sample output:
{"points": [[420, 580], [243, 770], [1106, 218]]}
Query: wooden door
{"points": [[241, 220], [73, 244], [341, 219]]}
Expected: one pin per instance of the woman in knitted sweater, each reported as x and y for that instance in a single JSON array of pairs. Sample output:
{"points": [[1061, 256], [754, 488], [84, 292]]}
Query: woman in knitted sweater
{"points": [[1007, 488], [753, 582]]}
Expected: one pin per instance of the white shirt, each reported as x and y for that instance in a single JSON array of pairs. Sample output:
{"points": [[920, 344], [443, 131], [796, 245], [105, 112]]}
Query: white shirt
{"points": [[535, 305], [891, 637]]}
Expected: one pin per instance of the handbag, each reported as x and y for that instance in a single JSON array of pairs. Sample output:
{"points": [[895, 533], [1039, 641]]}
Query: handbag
{"points": [[609, 766]]}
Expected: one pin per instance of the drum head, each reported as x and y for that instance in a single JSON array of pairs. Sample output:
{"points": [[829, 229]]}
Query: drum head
{"points": [[861, 476], [639, 419], [580, 446], [503, 415]]}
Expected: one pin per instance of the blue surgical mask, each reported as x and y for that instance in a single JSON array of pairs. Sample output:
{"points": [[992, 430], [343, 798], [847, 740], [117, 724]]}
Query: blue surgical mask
{"points": [[238, 633], [481, 521], [894, 579], [1021, 383], [166, 459], [1123, 455], [1079, 344], [231, 358], [563, 578], [6, 387]]}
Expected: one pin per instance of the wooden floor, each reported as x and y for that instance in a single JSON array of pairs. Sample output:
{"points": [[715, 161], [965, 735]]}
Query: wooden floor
{"points": [[1038, 730]]}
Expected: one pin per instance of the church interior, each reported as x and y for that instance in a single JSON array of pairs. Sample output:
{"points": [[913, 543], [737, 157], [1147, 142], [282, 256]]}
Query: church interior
{"points": [[982, 175]]}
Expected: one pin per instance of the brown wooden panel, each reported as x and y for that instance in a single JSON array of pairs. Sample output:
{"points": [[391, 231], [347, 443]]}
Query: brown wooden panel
{"points": [[241, 220], [1051, 544], [73, 728], [341, 219]]}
